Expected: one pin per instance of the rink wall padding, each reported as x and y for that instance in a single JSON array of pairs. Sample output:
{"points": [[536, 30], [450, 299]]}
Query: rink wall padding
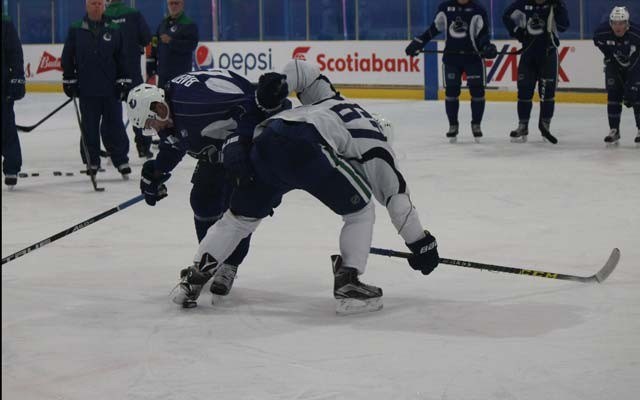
{"points": [[363, 69]]}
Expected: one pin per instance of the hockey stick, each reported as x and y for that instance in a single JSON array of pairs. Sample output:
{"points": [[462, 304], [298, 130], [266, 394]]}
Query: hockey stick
{"points": [[74, 228], [471, 53], [599, 277], [32, 127], [85, 150]]}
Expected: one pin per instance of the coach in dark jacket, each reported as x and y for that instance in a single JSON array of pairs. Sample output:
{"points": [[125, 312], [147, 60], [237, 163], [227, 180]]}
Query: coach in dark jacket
{"points": [[94, 70], [173, 46], [136, 35], [12, 89]]}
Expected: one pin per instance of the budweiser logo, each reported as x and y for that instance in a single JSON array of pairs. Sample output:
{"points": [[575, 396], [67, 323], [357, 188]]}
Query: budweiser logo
{"points": [[49, 63]]}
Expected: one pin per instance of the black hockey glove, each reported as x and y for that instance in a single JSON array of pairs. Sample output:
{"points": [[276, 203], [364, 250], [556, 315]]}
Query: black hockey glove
{"points": [[16, 89], [425, 254], [490, 51], [235, 158], [413, 49], [152, 183], [123, 85], [630, 97], [70, 87], [520, 34]]}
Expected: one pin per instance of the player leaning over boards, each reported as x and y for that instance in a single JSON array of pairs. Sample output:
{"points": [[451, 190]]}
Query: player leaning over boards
{"points": [[195, 114], [535, 24], [333, 149], [619, 41], [466, 28]]}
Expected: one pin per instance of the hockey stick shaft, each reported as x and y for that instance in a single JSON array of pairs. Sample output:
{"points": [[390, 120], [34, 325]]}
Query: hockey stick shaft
{"points": [[32, 127], [598, 277], [85, 150], [74, 228], [470, 53]]}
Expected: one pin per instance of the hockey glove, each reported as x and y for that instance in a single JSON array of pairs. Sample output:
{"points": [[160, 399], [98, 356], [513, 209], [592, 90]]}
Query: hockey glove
{"points": [[16, 89], [123, 85], [490, 51], [70, 87], [152, 183], [630, 96], [520, 34], [413, 49], [235, 158], [425, 254]]}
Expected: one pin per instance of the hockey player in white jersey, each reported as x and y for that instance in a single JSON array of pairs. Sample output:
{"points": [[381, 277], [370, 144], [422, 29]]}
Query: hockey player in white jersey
{"points": [[333, 149]]}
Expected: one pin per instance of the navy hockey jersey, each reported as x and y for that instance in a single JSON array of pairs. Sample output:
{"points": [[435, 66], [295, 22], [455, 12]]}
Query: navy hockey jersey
{"points": [[539, 23], [625, 50], [206, 106], [466, 27]]}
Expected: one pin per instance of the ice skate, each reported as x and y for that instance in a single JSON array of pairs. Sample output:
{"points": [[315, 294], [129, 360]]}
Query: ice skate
{"points": [[144, 151], [353, 296], [612, 138], [637, 139], [11, 181], [453, 133], [477, 132], [543, 125], [192, 279], [520, 134], [125, 170], [223, 281]]}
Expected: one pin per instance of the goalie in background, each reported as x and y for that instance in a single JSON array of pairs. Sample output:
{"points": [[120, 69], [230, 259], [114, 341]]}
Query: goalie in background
{"points": [[619, 41], [466, 28], [13, 88]]}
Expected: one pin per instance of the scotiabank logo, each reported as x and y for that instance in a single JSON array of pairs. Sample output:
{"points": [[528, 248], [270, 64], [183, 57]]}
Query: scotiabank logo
{"points": [[505, 66], [355, 62], [49, 63]]}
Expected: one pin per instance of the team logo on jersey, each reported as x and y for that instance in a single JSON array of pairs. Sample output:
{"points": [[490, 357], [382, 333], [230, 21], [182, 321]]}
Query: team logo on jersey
{"points": [[107, 37], [536, 25], [451, 8], [528, 7], [173, 28], [458, 29]]}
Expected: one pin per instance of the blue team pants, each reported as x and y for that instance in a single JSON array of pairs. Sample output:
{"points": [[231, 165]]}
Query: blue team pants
{"points": [[11, 153], [108, 112], [540, 69], [476, 80], [616, 81]]}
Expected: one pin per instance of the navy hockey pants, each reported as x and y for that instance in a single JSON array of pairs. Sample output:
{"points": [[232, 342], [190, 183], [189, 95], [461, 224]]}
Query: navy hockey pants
{"points": [[541, 69], [11, 153], [108, 111], [474, 68], [210, 196], [616, 83], [288, 156]]}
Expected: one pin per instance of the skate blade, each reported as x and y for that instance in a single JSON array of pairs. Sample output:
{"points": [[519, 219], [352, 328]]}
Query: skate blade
{"points": [[612, 144], [521, 139], [179, 297], [477, 139], [125, 177], [355, 306], [453, 140], [217, 299]]}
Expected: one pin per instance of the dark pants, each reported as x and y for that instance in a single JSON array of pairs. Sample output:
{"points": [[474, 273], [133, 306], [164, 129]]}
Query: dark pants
{"points": [[108, 112], [210, 196], [11, 153], [540, 69], [288, 156], [476, 79], [616, 83]]}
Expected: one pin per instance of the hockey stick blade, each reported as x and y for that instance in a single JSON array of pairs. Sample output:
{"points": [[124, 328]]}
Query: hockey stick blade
{"points": [[599, 277], [32, 127]]}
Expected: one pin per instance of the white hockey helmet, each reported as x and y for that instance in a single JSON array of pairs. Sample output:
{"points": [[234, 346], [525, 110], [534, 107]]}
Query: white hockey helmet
{"points": [[306, 80], [619, 14], [139, 104], [385, 126]]}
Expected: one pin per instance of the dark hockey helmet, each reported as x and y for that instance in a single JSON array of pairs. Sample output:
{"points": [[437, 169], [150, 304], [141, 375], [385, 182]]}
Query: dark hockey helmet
{"points": [[271, 92]]}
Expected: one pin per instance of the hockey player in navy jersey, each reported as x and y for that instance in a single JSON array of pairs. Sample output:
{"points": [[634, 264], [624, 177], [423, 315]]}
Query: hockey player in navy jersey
{"points": [[535, 24], [619, 41], [194, 115], [466, 28], [336, 151]]}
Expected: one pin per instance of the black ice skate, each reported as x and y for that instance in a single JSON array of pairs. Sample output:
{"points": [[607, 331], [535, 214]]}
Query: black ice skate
{"points": [[352, 295], [192, 279], [612, 138], [144, 151], [11, 180], [520, 134], [477, 132], [223, 281], [453, 133], [543, 125], [637, 139]]}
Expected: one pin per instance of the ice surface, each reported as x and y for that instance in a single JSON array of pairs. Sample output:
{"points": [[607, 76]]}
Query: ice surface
{"points": [[88, 317]]}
